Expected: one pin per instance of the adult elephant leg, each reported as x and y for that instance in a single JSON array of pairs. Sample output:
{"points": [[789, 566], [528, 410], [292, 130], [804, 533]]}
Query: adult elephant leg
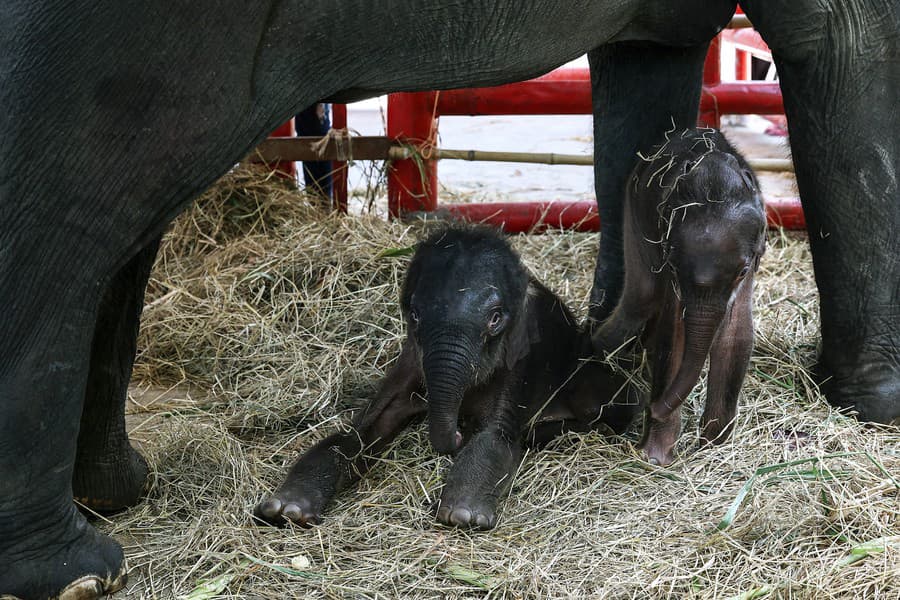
{"points": [[49, 295], [838, 66], [640, 90], [137, 134], [109, 473], [342, 458]]}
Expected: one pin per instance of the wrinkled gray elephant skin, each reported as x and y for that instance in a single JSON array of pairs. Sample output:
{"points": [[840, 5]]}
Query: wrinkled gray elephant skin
{"points": [[115, 115], [491, 360], [694, 232]]}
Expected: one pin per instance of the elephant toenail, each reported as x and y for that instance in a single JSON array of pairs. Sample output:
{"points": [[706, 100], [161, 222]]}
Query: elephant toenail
{"points": [[461, 517], [292, 511], [88, 587], [271, 507], [483, 522]]}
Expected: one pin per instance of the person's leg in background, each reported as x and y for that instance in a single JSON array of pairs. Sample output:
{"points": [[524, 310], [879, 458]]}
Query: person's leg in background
{"points": [[316, 121]]}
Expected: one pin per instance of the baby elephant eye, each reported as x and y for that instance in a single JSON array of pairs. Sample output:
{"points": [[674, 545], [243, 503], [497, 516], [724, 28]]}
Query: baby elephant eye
{"points": [[496, 322], [744, 272], [413, 316]]}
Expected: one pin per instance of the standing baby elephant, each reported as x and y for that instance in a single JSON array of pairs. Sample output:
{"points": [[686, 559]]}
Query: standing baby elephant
{"points": [[694, 234], [491, 357]]}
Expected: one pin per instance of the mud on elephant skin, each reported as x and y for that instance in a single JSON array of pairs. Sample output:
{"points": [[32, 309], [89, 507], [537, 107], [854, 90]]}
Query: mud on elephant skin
{"points": [[491, 360], [695, 229]]}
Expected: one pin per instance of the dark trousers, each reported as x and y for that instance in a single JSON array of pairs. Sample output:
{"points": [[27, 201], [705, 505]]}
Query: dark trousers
{"points": [[315, 120]]}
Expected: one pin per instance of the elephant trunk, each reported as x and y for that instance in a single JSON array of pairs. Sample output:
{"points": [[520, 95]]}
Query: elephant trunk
{"points": [[449, 366], [701, 323]]}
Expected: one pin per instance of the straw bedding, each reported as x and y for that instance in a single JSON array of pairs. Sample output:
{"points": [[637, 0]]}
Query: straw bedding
{"points": [[268, 321]]}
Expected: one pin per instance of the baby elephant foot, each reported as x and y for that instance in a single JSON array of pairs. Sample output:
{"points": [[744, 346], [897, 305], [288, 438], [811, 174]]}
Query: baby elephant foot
{"points": [[310, 485], [660, 438], [469, 513], [658, 453], [303, 508]]}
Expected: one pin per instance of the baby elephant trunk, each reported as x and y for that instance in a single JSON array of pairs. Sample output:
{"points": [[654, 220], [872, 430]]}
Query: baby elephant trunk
{"points": [[449, 366], [701, 322]]}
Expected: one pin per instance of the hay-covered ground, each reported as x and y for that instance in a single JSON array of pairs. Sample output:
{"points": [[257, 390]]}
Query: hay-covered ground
{"points": [[268, 321]]}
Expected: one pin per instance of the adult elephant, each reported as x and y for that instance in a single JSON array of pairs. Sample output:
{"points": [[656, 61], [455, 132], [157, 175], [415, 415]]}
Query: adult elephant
{"points": [[137, 107]]}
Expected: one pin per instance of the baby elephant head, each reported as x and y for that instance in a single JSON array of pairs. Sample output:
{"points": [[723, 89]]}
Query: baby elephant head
{"points": [[716, 232], [463, 297]]}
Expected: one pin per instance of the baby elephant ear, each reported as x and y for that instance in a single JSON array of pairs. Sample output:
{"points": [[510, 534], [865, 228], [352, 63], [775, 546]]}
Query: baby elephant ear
{"points": [[749, 180], [524, 332]]}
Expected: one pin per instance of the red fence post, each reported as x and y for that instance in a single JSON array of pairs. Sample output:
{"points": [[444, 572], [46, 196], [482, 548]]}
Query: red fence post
{"points": [[285, 168], [412, 183], [339, 168], [742, 65]]}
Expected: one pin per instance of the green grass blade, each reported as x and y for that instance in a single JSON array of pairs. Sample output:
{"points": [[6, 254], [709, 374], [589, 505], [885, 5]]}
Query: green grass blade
{"points": [[485, 582], [881, 468], [866, 549], [728, 519], [787, 385], [214, 587], [755, 593]]}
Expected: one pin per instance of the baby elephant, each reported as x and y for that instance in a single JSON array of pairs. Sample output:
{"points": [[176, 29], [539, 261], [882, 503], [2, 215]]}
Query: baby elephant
{"points": [[491, 358], [694, 233]]}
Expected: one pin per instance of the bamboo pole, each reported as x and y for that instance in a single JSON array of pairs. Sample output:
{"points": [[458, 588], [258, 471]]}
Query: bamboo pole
{"points": [[552, 158], [381, 148]]}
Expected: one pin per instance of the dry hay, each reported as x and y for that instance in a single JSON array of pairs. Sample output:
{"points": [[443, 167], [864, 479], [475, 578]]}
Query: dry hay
{"points": [[269, 320]]}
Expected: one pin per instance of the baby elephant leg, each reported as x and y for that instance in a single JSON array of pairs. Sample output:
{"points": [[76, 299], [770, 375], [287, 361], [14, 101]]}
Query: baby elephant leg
{"points": [[342, 458], [482, 472], [660, 435], [596, 397], [728, 361]]}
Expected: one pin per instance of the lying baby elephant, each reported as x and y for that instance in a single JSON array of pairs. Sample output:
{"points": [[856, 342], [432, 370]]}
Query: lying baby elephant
{"points": [[694, 233], [488, 346]]}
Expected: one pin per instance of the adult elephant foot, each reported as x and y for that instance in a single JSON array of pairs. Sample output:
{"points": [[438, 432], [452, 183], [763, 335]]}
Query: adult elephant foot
{"points": [[109, 474], [69, 560], [110, 483], [867, 384]]}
